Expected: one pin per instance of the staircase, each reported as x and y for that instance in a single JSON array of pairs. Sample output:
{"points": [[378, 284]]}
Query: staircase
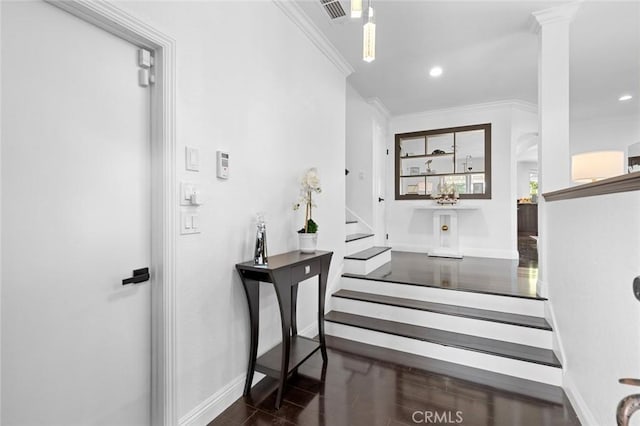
{"points": [[504, 334]]}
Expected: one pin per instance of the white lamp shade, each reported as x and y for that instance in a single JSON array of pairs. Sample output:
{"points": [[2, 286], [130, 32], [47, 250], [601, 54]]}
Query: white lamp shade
{"points": [[596, 165]]}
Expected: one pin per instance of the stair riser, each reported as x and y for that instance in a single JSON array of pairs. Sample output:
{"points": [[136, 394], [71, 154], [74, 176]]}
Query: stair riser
{"points": [[359, 245], [491, 330], [508, 366], [515, 305], [352, 228], [363, 267]]}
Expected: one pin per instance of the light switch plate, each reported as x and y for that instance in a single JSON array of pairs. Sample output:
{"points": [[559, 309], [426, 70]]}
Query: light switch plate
{"points": [[186, 189], [192, 157], [189, 223]]}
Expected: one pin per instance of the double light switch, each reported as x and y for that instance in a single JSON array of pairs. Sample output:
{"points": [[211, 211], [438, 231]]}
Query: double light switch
{"points": [[190, 195]]}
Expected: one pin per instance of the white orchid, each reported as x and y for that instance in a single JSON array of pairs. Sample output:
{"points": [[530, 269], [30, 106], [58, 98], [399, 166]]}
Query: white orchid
{"points": [[309, 184]]}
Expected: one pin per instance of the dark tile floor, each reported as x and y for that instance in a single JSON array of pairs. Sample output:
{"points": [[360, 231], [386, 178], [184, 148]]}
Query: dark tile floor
{"points": [[474, 274], [356, 390]]}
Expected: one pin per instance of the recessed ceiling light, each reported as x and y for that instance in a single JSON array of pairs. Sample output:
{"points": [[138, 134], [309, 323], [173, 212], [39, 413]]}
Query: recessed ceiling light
{"points": [[625, 97], [435, 72]]}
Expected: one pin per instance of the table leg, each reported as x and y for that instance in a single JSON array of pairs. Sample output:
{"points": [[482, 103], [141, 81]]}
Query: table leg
{"points": [[252, 289], [322, 290], [294, 315], [283, 291]]}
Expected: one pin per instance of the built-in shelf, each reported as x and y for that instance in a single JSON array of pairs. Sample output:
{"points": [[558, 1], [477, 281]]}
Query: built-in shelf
{"points": [[443, 174], [407, 157], [453, 151]]}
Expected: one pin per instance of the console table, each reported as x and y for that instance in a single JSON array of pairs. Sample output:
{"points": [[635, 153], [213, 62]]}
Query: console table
{"points": [[445, 229], [284, 271]]}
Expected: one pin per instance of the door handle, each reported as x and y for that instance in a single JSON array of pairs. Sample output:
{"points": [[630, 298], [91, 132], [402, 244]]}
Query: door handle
{"points": [[380, 199], [628, 405], [139, 276]]}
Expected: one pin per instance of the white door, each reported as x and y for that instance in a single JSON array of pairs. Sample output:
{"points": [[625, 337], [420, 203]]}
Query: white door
{"points": [[379, 182], [76, 343]]}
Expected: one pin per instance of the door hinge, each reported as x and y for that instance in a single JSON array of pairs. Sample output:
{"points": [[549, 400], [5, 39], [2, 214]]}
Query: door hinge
{"points": [[387, 152], [145, 73]]}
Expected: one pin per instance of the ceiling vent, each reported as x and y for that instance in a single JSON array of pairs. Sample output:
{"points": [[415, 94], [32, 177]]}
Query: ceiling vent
{"points": [[333, 8]]}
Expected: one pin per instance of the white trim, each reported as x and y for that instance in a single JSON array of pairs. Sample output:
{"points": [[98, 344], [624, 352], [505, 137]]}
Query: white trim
{"points": [[313, 33], [472, 252], [163, 312], [377, 104], [359, 219], [213, 406], [550, 316], [512, 103], [552, 15], [580, 406]]}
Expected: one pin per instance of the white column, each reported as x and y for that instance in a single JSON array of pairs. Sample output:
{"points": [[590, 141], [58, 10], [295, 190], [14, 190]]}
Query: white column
{"points": [[554, 157], [554, 160]]}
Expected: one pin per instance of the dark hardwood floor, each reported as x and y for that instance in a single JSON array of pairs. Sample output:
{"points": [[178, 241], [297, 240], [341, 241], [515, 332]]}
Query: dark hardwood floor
{"points": [[503, 277], [528, 250], [357, 389]]}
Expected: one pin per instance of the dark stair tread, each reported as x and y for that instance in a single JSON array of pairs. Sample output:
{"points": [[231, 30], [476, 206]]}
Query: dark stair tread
{"points": [[461, 311], [448, 338], [354, 237], [377, 276], [352, 221], [526, 388], [368, 253]]}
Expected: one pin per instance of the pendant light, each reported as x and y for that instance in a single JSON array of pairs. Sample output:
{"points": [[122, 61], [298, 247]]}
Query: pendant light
{"points": [[356, 8], [369, 36]]}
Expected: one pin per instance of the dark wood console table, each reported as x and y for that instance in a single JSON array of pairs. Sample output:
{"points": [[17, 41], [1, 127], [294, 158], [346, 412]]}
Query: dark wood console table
{"points": [[284, 271]]}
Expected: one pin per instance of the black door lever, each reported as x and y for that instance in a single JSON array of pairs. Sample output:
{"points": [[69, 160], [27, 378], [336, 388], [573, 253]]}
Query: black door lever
{"points": [[139, 276], [380, 199]]}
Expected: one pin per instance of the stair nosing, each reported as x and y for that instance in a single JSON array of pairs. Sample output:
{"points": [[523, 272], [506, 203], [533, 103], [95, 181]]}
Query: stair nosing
{"points": [[556, 364], [468, 290], [359, 237], [352, 256], [397, 302]]}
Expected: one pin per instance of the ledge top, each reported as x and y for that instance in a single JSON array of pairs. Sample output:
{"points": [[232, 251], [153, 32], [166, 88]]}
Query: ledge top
{"points": [[624, 183]]}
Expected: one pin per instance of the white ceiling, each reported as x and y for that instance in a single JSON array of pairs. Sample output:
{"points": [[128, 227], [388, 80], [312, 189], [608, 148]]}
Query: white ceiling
{"points": [[488, 52]]}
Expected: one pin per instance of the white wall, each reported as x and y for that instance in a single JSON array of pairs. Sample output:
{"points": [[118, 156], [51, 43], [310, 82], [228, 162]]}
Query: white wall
{"points": [[365, 123], [524, 168], [593, 247], [609, 133], [250, 82], [489, 231], [359, 156]]}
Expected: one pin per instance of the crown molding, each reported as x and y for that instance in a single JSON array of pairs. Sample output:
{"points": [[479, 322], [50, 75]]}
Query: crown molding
{"points": [[377, 104], [313, 33], [511, 103], [552, 15]]}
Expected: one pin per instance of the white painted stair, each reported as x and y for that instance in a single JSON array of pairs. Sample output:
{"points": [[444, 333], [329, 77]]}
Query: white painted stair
{"points": [[499, 333]]}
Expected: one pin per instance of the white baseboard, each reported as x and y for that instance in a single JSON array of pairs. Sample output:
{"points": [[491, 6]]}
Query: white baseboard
{"points": [[558, 347], [413, 248], [581, 408], [212, 407], [473, 252]]}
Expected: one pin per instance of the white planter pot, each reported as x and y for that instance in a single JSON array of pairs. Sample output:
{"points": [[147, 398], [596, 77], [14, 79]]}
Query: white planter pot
{"points": [[308, 242]]}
